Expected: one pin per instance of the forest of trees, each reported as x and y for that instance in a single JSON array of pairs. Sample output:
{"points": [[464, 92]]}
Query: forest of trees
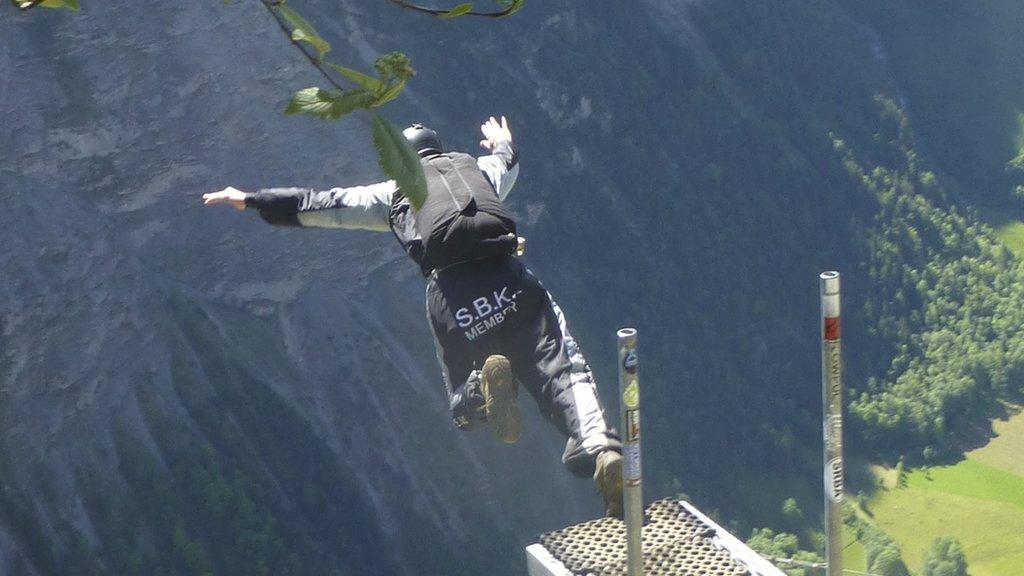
{"points": [[944, 310]]}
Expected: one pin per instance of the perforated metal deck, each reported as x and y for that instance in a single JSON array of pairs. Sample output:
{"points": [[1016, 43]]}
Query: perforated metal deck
{"points": [[677, 541]]}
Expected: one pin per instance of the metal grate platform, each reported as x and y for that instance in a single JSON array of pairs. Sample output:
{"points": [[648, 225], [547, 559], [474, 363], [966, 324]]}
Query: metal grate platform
{"points": [[677, 541]]}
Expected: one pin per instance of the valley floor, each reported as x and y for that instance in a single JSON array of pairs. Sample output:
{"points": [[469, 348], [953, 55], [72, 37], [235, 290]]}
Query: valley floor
{"points": [[979, 500]]}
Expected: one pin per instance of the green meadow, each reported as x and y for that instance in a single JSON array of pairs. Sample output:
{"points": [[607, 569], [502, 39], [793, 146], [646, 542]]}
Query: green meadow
{"points": [[1011, 232], [853, 552], [979, 500]]}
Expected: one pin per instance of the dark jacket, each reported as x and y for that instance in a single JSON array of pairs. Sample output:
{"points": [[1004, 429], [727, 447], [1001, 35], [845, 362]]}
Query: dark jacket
{"points": [[383, 207]]}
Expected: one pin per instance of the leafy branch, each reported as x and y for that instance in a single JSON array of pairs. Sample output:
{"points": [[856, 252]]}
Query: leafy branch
{"points": [[397, 158], [299, 30], [393, 71], [466, 9]]}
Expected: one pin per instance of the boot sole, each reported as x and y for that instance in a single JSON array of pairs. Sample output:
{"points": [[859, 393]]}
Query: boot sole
{"points": [[500, 399]]}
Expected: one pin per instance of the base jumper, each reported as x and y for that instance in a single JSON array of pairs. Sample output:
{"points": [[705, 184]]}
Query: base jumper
{"points": [[495, 327]]}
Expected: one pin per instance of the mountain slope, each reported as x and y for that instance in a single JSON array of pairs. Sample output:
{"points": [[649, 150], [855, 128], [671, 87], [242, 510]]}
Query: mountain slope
{"points": [[257, 399]]}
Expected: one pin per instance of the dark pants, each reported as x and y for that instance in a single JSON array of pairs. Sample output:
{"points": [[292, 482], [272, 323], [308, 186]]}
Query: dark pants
{"points": [[497, 306]]}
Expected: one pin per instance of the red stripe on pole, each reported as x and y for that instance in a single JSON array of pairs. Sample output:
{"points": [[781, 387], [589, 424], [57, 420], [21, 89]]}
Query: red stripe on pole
{"points": [[831, 329]]}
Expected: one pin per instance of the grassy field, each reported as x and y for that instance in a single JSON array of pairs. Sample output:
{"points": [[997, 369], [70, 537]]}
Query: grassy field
{"points": [[1007, 228], [1011, 232], [979, 500], [1007, 450], [853, 552]]}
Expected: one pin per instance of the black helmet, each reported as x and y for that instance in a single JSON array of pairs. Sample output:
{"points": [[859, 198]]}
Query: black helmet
{"points": [[424, 140]]}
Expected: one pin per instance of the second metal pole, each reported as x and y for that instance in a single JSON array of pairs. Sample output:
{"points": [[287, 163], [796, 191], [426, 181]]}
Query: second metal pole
{"points": [[832, 404], [632, 495]]}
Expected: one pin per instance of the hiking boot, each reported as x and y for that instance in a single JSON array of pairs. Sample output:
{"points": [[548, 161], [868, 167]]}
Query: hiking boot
{"points": [[608, 477], [499, 390]]}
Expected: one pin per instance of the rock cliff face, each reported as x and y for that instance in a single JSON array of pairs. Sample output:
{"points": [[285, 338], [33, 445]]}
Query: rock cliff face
{"points": [[136, 323], [186, 389]]}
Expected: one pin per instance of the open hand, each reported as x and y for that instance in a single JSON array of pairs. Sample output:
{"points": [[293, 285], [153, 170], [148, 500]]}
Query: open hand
{"points": [[229, 195], [494, 133]]}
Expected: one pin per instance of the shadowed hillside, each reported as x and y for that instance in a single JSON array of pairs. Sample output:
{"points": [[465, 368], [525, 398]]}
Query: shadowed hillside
{"points": [[187, 390]]}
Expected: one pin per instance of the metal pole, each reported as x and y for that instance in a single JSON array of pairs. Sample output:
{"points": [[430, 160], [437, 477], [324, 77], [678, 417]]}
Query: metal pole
{"points": [[832, 403], [632, 496]]}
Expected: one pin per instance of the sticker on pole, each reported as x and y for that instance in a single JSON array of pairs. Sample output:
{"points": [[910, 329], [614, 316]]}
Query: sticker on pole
{"points": [[632, 426], [631, 455], [834, 480], [832, 329], [630, 362], [834, 432], [631, 396]]}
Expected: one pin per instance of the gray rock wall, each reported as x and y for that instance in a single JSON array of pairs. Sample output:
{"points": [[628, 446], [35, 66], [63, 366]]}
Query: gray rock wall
{"points": [[657, 190]]}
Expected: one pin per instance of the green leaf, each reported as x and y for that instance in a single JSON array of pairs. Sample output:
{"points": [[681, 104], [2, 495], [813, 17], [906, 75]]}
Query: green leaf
{"points": [[69, 4], [399, 161], [303, 31], [392, 92], [329, 104], [359, 78], [457, 11], [514, 6], [26, 4], [317, 42]]}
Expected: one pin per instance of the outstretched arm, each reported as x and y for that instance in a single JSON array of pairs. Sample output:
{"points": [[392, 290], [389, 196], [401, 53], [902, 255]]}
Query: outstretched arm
{"points": [[501, 166], [357, 207]]}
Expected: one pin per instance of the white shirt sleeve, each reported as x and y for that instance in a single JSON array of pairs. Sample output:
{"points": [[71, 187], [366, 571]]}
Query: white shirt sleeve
{"points": [[501, 177], [356, 207]]}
